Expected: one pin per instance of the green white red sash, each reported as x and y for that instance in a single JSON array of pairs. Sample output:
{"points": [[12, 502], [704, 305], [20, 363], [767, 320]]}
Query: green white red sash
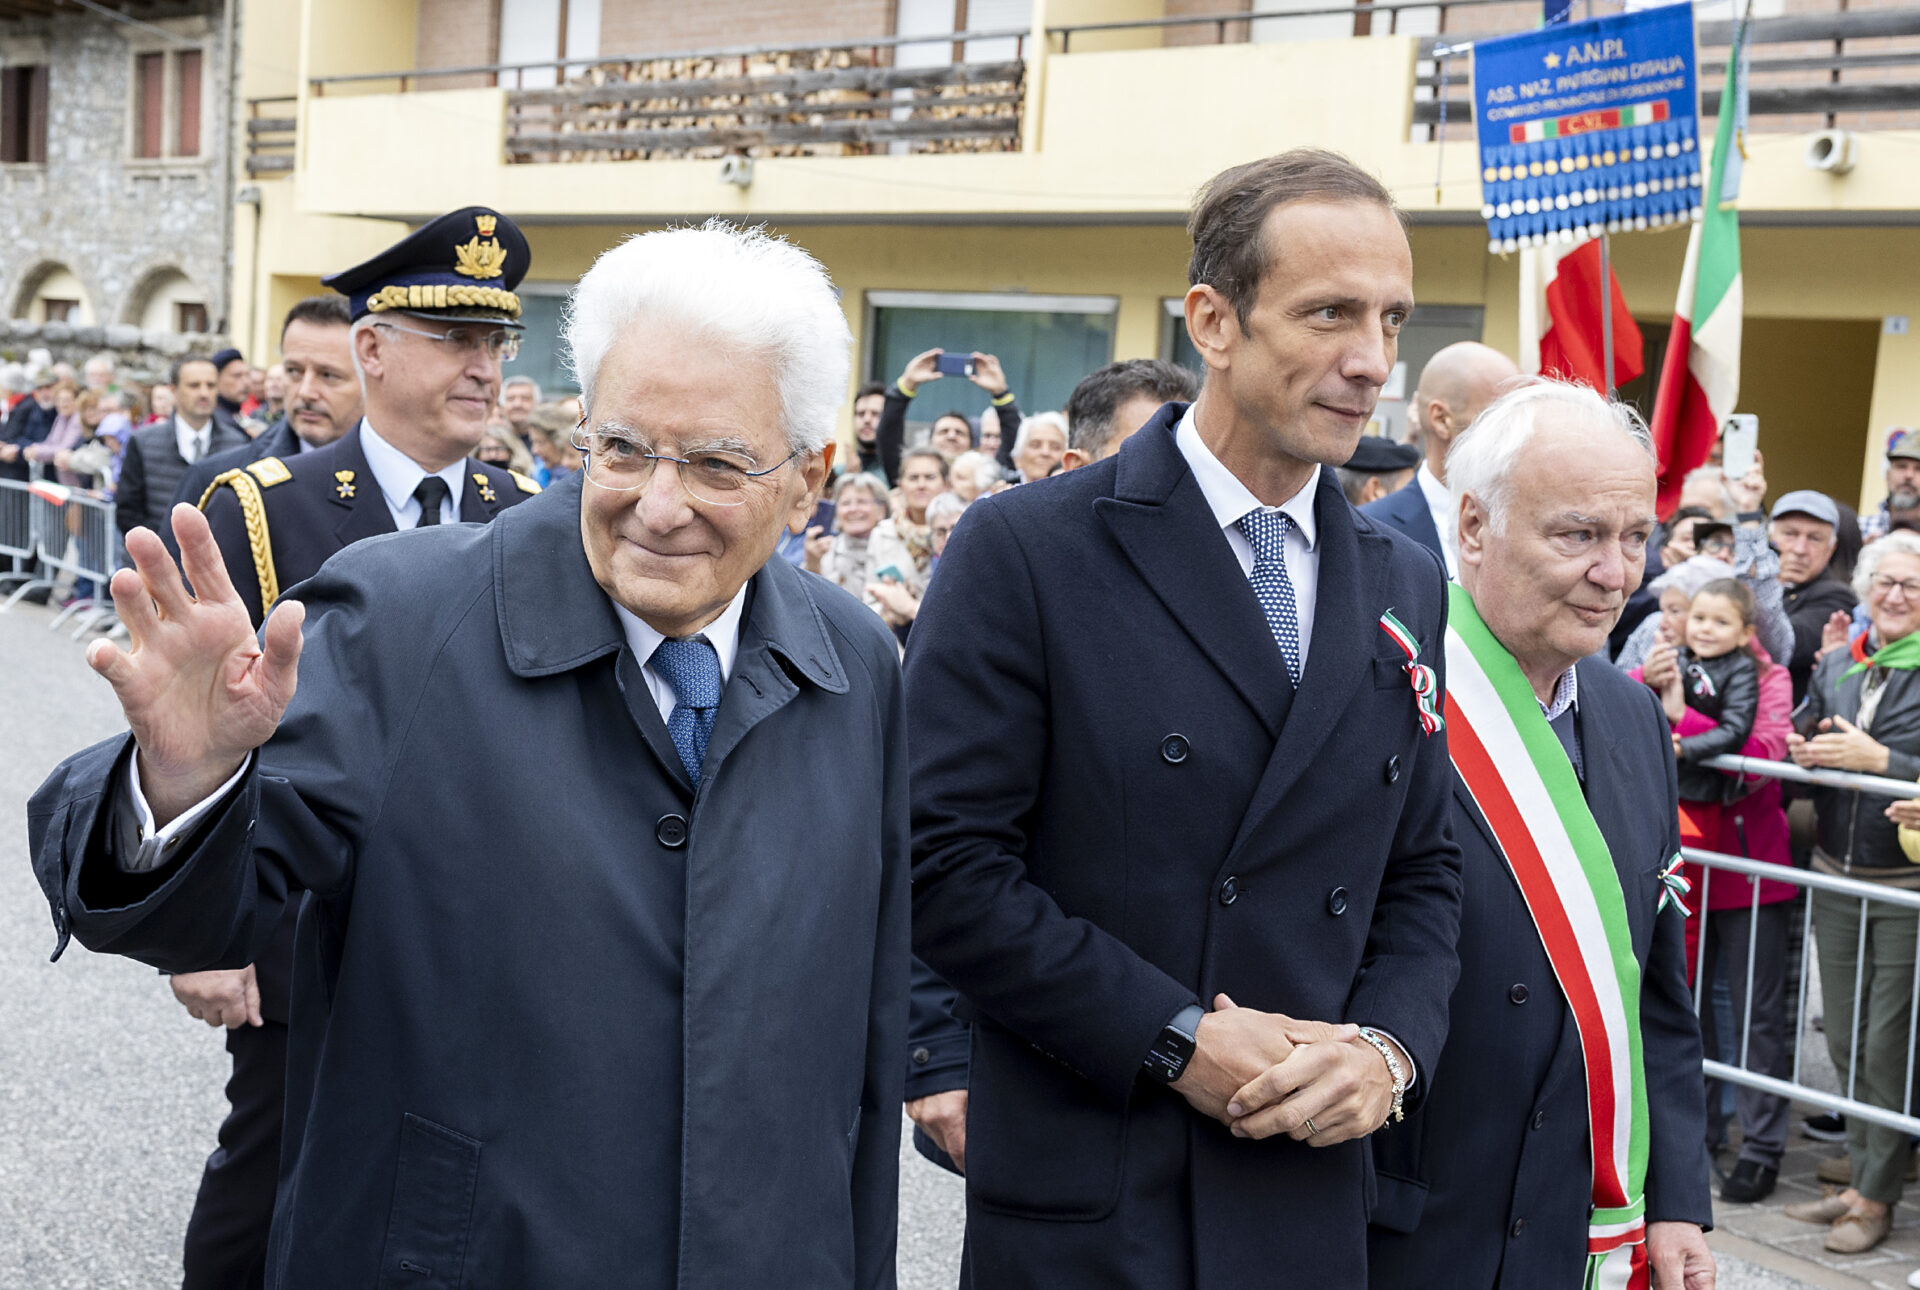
{"points": [[1517, 773]]}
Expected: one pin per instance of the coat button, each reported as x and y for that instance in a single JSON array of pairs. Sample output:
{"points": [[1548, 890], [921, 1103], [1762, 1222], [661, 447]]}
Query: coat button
{"points": [[1229, 890], [671, 831], [1393, 769], [921, 1057], [1337, 901], [1539, 1118], [1517, 995], [1519, 1226], [1175, 749]]}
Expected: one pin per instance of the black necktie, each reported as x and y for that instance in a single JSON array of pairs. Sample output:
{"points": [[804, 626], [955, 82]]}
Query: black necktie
{"points": [[431, 493]]}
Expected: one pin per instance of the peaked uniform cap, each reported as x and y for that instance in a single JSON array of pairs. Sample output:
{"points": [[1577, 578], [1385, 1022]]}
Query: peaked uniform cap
{"points": [[461, 267]]}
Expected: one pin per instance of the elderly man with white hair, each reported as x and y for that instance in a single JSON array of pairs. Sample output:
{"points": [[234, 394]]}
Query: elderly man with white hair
{"points": [[1571, 1040], [653, 1039]]}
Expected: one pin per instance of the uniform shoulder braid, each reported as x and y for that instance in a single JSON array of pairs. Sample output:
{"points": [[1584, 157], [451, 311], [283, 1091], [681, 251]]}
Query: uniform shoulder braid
{"points": [[246, 484]]}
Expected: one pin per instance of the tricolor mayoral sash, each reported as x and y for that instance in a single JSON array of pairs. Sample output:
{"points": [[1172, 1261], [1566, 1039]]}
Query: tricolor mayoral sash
{"points": [[1517, 773]]}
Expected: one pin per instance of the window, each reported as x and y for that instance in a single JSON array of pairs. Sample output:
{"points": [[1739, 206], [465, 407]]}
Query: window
{"points": [[166, 103], [23, 115], [189, 317], [1044, 343], [541, 355], [58, 310], [538, 31]]}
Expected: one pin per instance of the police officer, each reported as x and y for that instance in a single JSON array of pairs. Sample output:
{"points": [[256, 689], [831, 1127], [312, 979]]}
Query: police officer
{"points": [[433, 318]]}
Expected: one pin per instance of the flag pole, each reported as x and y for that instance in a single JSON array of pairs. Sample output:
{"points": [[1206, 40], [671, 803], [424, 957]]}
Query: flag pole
{"points": [[1606, 311]]}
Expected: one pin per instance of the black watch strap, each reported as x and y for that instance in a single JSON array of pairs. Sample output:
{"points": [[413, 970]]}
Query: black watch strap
{"points": [[1167, 1060]]}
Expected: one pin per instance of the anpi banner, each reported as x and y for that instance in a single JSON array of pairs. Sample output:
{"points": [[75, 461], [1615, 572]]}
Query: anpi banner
{"points": [[1588, 127]]}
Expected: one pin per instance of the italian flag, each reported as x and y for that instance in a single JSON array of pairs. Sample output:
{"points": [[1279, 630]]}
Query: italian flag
{"points": [[1560, 322], [48, 491], [1700, 379]]}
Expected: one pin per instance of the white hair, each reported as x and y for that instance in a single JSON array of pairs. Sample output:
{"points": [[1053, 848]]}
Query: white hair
{"points": [[1898, 542], [943, 505], [741, 289], [512, 381], [1058, 420], [1482, 459]]}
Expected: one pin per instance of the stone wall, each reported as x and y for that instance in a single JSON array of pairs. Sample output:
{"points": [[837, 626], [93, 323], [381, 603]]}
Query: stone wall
{"points": [[142, 357], [119, 224]]}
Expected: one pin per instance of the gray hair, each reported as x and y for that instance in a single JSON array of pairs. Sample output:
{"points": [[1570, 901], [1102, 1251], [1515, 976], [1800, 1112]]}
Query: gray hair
{"points": [[741, 289], [1057, 420], [1481, 461], [527, 381], [1898, 542], [860, 479], [944, 505]]}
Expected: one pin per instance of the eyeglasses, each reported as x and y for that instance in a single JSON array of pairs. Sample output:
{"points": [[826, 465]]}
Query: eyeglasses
{"points": [[716, 475], [1909, 587], [499, 343]]}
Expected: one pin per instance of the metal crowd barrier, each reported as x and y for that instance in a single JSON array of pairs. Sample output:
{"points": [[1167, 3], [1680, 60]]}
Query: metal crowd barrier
{"points": [[48, 531], [1867, 893]]}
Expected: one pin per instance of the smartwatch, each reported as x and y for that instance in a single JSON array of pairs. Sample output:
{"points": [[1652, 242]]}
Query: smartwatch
{"points": [[1167, 1060]]}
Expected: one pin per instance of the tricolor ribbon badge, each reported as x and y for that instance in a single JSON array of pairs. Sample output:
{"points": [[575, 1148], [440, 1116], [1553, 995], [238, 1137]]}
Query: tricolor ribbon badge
{"points": [[1674, 887], [1426, 686]]}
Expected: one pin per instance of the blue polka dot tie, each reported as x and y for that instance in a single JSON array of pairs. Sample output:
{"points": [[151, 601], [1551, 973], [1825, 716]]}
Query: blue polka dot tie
{"points": [[692, 671], [1266, 532]]}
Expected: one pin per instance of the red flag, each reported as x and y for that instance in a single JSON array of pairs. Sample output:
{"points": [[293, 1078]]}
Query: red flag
{"points": [[1573, 347]]}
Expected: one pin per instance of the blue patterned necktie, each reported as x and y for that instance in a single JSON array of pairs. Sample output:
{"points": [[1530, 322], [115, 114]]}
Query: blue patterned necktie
{"points": [[692, 671], [1266, 532]]}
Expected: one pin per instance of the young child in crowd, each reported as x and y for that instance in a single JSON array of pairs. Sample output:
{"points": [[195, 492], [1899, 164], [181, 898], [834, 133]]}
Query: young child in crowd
{"points": [[1720, 680]]}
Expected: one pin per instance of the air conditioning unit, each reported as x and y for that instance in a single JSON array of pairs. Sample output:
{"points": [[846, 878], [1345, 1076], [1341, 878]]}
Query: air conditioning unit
{"points": [[1832, 151]]}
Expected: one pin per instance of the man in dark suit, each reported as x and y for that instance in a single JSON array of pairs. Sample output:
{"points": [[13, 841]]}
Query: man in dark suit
{"points": [[1454, 386], [323, 399], [27, 424], [157, 457], [1493, 1182], [735, 901], [303, 508], [1177, 815]]}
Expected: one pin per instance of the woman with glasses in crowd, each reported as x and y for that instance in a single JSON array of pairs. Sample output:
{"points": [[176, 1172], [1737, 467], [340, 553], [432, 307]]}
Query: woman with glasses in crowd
{"points": [[1862, 714]]}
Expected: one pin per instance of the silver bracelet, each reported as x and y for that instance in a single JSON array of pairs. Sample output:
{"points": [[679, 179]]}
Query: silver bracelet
{"points": [[1393, 1069]]}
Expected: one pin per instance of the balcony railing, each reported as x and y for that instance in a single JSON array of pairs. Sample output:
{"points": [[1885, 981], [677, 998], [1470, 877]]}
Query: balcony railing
{"points": [[271, 133], [843, 99]]}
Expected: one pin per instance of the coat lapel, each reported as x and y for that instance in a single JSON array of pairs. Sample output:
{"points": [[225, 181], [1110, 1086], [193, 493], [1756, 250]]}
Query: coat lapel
{"points": [[1609, 765], [1346, 618], [363, 511], [1163, 524], [782, 636]]}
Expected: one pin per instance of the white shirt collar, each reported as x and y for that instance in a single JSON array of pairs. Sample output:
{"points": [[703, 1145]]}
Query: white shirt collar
{"points": [[1440, 506], [398, 474], [1228, 498], [723, 633], [188, 439]]}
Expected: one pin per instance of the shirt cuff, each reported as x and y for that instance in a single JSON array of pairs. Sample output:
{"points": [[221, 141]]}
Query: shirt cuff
{"points": [[158, 845]]}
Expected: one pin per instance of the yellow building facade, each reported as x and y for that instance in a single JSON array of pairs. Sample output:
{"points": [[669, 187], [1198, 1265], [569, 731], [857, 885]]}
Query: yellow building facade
{"points": [[1082, 220]]}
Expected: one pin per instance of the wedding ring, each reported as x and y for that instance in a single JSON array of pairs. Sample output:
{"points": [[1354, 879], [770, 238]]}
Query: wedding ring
{"points": [[1311, 1131]]}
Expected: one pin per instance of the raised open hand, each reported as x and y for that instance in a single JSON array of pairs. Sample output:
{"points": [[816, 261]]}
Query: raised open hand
{"points": [[198, 690]]}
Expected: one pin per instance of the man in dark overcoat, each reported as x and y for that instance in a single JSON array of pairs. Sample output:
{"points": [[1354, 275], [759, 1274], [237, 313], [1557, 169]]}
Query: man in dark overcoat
{"points": [[1176, 808], [1492, 1182], [653, 1039]]}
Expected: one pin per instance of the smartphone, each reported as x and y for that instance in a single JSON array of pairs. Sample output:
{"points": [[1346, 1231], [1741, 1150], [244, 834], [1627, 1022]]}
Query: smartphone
{"points": [[891, 571], [1738, 444], [822, 517], [954, 364]]}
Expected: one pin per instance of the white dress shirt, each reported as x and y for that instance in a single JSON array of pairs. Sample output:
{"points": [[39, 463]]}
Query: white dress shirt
{"points": [[1440, 506], [723, 633], [398, 475], [193, 443], [1229, 499]]}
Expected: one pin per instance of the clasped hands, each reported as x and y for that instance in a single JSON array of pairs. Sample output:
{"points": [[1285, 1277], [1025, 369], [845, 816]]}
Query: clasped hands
{"points": [[1263, 1074]]}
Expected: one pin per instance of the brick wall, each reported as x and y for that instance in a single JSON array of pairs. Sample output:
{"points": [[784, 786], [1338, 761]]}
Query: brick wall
{"points": [[457, 33], [650, 26], [1205, 33]]}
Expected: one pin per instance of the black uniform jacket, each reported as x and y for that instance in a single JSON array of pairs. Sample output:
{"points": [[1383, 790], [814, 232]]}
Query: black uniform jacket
{"points": [[1121, 806], [1406, 509], [630, 1035], [1489, 1184]]}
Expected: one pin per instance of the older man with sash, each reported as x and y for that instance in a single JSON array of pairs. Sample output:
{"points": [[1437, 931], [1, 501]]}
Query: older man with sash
{"points": [[1562, 1140]]}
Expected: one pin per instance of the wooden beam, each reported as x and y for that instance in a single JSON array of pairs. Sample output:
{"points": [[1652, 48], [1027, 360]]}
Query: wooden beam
{"points": [[734, 139], [869, 80]]}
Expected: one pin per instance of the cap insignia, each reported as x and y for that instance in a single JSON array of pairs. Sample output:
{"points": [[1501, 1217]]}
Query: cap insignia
{"points": [[479, 259], [485, 223]]}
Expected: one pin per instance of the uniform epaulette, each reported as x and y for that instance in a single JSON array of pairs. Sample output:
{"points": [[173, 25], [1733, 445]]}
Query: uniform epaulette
{"points": [[270, 471], [253, 510], [526, 485]]}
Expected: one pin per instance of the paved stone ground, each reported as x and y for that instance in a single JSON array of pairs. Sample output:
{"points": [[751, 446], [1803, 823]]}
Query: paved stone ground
{"points": [[110, 1093]]}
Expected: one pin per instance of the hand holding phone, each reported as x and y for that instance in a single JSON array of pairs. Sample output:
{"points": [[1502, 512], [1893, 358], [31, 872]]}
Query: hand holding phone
{"points": [[1738, 445], [949, 364]]}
